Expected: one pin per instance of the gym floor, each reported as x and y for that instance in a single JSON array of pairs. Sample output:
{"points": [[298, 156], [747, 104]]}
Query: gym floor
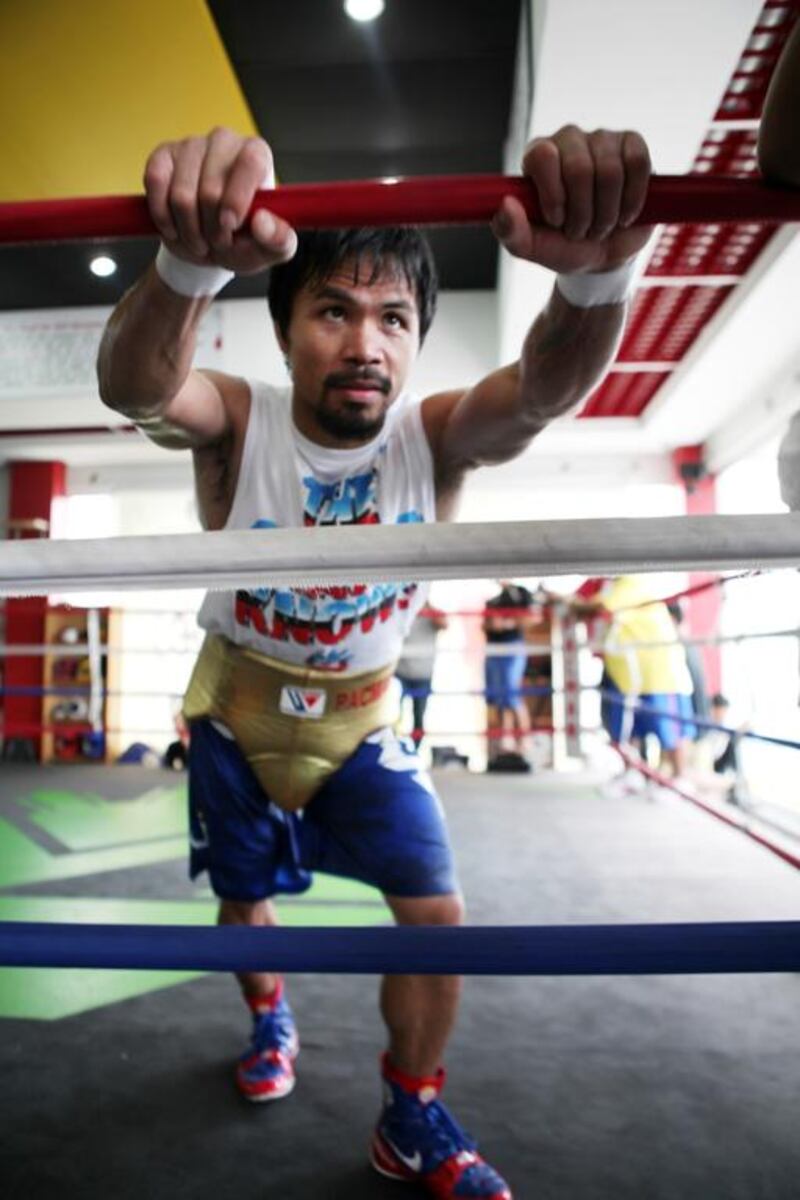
{"points": [[119, 1084]]}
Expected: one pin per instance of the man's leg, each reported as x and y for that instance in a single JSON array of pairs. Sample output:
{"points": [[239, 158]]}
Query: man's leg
{"points": [[266, 1069], [254, 984], [420, 1010], [379, 819], [243, 844], [422, 691], [523, 725], [417, 1139]]}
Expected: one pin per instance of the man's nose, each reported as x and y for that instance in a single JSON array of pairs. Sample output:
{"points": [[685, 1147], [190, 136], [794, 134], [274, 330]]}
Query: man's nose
{"points": [[363, 343]]}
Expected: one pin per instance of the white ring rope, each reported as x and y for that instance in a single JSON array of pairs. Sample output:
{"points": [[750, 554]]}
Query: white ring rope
{"points": [[410, 648], [387, 553]]}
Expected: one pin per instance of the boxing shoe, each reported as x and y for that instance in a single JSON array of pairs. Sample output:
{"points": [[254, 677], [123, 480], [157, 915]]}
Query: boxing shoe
{"points": [[417, 1140], [266, 1069]]}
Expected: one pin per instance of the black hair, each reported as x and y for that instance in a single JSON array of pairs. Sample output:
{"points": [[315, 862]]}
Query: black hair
{"points": [[321, 251], [719, 701]]}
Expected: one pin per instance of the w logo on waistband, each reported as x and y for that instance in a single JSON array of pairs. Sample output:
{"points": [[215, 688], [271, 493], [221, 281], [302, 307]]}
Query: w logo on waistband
{"points": [[306, 703]]}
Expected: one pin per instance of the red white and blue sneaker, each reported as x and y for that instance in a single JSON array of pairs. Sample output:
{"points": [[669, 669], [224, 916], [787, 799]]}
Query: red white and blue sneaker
{"points": [[266, 1070], [418, 1141]]}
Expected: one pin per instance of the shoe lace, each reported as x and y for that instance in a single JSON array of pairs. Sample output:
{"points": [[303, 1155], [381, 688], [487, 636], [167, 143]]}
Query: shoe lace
{"points": [[272, 1030], [444, 1134]]}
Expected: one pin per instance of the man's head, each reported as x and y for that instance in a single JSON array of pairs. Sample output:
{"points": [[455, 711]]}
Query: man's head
{"points": [[351, 310]]}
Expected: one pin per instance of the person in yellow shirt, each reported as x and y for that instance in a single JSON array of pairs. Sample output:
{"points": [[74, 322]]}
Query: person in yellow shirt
{"points": [[646, 689]]}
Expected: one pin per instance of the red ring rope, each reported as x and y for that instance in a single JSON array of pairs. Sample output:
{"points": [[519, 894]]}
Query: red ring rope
{"points": [[432, 200]]}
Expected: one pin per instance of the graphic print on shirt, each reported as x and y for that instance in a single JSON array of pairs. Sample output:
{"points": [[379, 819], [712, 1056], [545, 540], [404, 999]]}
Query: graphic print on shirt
{"points": [[352, 501], [323, 619]]}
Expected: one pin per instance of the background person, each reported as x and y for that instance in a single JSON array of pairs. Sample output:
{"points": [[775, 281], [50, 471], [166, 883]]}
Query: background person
{"points": [[505, 627], [698, 701], [415, 668], [654, 677]]}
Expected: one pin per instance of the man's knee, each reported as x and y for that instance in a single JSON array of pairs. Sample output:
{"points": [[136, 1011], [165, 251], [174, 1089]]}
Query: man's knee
{"points": [[244, 912], [428, 910]]}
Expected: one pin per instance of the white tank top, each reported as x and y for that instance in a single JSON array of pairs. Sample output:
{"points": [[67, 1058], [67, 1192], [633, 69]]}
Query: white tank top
{"points": [[285, 480]]}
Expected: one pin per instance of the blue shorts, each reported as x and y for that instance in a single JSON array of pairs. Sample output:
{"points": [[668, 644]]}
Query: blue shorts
{"points": [[377, 819], [622, 724], [504, 674]]}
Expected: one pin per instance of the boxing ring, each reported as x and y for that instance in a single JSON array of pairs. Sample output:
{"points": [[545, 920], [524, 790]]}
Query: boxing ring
{"points": [[385, 553], [375, 554]]}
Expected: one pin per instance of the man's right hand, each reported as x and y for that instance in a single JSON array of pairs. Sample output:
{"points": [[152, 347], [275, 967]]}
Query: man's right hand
{"points": [[199, 192]]}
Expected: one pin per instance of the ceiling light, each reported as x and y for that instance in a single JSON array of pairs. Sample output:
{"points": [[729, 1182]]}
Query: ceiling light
{"points": [[363, 10], [103, 266]]}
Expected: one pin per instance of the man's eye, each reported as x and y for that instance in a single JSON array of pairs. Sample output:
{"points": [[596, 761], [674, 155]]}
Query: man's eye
{"points": [[395, 320], [334, 311]]}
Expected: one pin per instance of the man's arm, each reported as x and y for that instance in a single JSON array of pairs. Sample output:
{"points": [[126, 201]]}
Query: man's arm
{"points": [[144, 367], [199, 192], [779, 132], [591, 187]]}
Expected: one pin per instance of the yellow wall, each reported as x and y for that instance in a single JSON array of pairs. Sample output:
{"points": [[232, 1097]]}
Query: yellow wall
{"points": [[89, 87]]}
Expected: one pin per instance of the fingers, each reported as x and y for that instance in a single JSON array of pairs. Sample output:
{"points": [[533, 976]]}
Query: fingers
{"points": [[184, 195], [157, 178], [200, 191], [577, 172], [542, 163], [275, 237], [609, 182], [589, 184], [636, 157], [249, 170], [512, 228]]}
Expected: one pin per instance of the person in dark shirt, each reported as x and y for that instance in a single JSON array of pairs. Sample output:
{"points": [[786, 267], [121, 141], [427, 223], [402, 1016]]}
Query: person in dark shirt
{"points": [[505, 623]]}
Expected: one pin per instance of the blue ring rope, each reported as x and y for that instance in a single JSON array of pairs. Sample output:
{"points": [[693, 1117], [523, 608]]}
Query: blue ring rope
{"points": [[701, 722], [728, 947]]}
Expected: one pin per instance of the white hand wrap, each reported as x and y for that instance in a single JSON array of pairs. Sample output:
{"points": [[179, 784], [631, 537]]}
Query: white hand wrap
{"points": [[189, 279], [601, 287]]}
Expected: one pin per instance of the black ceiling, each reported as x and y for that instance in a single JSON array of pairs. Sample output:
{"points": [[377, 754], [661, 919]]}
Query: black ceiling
{"points": [[425, 89]]}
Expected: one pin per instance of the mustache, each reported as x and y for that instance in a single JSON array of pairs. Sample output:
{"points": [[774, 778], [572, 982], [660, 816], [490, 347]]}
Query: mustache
{"points": [[345, 379]]}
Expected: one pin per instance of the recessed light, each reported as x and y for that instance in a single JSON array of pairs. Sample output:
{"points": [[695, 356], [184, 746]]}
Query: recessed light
{"points": [[363, 10], [103, 266]]}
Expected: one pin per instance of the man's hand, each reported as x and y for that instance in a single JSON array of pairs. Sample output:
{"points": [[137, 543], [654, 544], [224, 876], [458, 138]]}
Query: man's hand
{"points": [[591, 187], [199, 192]]}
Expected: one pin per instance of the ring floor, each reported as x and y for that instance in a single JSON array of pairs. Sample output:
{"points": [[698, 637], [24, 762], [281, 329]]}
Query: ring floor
{"points": [[120, 1083]]}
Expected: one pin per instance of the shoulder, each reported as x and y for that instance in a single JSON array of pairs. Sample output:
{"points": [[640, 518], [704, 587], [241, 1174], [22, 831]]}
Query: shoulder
{"points": [[436, 411]]}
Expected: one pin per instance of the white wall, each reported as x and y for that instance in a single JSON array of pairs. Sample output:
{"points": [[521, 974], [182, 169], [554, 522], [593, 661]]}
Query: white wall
{"points": [[4, 489], [158, 632], [762, 678]]}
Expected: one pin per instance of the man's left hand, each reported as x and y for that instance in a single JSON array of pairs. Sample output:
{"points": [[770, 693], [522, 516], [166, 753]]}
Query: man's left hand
{"points": [[591, 188]]}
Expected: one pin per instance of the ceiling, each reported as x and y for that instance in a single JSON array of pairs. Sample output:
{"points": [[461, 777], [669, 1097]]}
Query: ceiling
{"points": [[435, 86], [425, 90]]}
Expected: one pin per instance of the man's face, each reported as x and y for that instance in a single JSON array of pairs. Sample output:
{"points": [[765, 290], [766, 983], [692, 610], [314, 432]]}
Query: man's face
{"points": [[350, 347]]}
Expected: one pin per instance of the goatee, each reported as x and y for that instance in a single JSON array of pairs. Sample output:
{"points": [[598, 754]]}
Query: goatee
{"points": [[344, 424]]}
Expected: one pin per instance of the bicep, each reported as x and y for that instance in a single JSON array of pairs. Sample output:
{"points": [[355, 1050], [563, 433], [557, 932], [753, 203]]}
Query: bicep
{"points": [[199, 414], [481, 426]]}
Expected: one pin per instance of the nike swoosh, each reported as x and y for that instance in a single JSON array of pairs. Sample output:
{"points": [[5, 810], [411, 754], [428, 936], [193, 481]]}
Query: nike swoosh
{"points": [[198, 843], [414, 1163]]}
